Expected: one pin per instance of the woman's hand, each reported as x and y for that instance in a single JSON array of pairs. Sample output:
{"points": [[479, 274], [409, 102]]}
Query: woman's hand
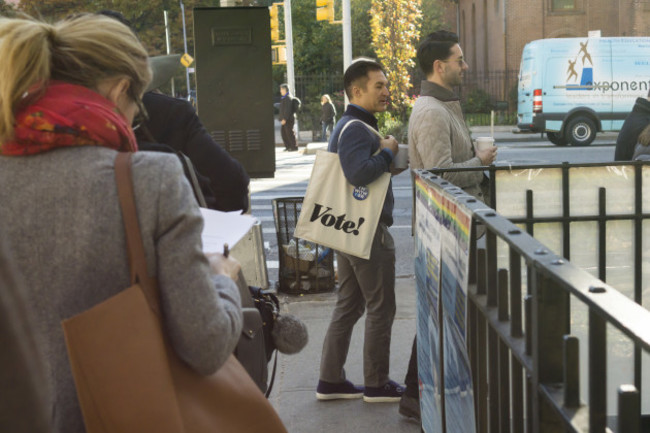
{"points": [[222, 265]]}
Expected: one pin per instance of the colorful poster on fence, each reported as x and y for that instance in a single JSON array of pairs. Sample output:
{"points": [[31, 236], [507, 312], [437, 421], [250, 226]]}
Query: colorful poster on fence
{"points": [[427, 275], [442, 236], [459, 396]]}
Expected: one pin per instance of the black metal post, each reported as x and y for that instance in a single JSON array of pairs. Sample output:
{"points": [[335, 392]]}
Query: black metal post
{"points": [[515, 294], [548, 313], [597, 373], [517, 375], [504, 388], [629, 409], [571, 371], [493, 379]]}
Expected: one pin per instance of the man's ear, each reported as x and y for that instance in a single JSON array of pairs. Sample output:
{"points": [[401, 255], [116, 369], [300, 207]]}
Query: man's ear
{"points": [[118, 90], [356, 91], [437, 67]]}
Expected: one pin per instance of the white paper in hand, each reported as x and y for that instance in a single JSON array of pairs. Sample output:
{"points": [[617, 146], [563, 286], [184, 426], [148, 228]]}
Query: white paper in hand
{"points": [[223, 228]]}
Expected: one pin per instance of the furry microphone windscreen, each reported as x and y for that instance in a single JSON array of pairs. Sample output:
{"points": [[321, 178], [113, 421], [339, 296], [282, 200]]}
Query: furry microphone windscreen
{"points": [[289, 334]]}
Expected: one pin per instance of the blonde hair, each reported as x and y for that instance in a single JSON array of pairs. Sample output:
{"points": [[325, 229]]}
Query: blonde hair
{"points": [[85, 50], [644, 137], [326, 97]]}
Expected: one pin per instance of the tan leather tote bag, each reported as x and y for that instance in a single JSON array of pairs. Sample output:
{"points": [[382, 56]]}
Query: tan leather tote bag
{"points": [[128, 377]]}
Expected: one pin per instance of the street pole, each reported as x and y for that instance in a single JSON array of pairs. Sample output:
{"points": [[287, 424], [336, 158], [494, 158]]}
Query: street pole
{"points": [[288, 37], [169, 49], [347, 40], [187, 70]]}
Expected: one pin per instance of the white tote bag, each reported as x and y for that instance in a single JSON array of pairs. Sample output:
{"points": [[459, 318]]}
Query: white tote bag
{"points": [[336, 213]]}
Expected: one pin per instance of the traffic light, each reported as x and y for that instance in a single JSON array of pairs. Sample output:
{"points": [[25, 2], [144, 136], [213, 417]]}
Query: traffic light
{"points": [[275, 25], [279, 54], [325, 10]]}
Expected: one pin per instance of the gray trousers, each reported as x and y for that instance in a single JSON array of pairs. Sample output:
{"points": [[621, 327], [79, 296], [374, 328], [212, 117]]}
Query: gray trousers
{"points": [[363, 285]]}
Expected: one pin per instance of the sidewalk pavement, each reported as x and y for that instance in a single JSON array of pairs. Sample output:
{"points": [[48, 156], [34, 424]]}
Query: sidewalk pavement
{"points": [[294, 391]]}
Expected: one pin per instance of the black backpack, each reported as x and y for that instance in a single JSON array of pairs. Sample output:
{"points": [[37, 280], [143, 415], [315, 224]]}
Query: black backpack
{"points": [[296, 104]]}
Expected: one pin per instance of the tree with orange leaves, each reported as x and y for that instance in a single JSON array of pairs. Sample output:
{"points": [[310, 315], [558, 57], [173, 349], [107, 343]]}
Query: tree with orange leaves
{"points": [[395, 27]]}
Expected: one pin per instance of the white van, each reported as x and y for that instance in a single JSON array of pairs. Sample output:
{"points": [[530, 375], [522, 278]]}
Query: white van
{"points": [[572, 88]]}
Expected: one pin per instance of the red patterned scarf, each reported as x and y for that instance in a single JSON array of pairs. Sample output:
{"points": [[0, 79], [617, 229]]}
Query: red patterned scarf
{"points": [[69, 115]]}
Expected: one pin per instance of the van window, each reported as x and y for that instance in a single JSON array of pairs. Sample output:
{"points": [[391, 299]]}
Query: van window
{"points": [[525, 71], [564, 5]]}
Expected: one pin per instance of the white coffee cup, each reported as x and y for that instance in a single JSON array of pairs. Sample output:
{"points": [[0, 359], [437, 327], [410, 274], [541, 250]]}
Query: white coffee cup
{"points": [[484, 142], [401, 160]]}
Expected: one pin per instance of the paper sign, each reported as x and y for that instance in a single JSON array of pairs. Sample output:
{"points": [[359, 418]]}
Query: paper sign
{"points": [[223, 228]]}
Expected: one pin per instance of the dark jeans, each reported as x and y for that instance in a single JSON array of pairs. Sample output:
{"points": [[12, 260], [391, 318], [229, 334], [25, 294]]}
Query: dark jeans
{"points": [[411, 379], [289, 135], [326, 126]]}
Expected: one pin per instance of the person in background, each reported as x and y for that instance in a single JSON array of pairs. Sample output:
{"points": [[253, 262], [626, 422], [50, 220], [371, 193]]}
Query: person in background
{"points": [[289, 106], [174, 122], [327, 117], [173, 125], [69, 95], [364, 285], [635, 122]]}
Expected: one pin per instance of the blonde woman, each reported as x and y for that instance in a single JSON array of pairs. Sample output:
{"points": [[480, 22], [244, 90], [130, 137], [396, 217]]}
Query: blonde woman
{"points": [[68, 96], [328, 115]]}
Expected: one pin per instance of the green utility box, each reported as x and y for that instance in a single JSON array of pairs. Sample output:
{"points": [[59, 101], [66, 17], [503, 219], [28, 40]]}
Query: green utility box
{"points": [[234, 83]]}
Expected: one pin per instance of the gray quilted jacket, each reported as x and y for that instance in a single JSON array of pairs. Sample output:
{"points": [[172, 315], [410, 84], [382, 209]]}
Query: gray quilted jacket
{"points": [[64, 230], [439, 138]]}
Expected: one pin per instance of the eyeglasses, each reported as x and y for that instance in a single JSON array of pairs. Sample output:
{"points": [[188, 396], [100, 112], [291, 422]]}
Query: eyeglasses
{"points": [[460, 61], [142, 115]]}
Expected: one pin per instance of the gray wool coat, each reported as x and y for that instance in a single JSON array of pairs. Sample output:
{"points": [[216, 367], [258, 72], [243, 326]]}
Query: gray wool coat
{"points": [[64, 230], [23, 405]]}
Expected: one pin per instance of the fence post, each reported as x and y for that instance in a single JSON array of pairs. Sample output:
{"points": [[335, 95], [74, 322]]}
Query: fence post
{"points": [[629, 408], [549, 310]]}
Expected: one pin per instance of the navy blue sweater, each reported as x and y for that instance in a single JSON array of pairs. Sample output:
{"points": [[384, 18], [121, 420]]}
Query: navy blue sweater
{"points": [[356, 148]]}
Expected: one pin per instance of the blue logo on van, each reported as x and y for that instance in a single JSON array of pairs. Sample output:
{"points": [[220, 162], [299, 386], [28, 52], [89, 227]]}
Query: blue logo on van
{"points": [[586, 78], [360, 192]]}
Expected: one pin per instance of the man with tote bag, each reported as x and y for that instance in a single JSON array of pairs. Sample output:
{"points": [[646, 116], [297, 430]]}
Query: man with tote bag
{"points": [[364, 284]]}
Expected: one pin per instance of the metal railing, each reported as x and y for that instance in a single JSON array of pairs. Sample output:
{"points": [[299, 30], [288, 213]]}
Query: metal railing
{"points": [[524, 359]]}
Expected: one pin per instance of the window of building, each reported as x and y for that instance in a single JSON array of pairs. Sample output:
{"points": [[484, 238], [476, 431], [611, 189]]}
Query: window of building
{"points": [[564, 5]]}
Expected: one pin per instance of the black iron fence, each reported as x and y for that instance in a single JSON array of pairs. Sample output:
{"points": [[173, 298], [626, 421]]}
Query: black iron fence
{"points": [[310, 88], [483, 91], [539, 327], [480, 93]]}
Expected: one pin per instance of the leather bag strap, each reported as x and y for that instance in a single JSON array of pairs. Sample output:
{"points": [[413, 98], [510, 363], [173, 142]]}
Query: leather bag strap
{"points": [[135, 246]]}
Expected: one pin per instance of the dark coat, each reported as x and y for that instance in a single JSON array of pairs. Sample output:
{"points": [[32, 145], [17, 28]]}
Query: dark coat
{"points": [[328, 113], [628, 137], [356, 149], [288, 108], [174, 122]]}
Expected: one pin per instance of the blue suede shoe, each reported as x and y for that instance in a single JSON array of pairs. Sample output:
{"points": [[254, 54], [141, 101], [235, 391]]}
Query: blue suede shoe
{"points": [[335, 391], [391, 392]]}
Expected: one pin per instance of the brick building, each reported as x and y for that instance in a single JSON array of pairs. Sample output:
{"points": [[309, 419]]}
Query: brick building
{"points": [[493, 32]]}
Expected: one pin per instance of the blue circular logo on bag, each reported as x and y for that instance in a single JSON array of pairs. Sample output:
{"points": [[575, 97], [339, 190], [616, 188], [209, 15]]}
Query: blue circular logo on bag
{"points": [[360, 192]]}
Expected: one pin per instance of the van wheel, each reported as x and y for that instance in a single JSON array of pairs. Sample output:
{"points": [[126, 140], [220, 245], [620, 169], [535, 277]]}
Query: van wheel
{"points": [[580, 131], [556, 138]]}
